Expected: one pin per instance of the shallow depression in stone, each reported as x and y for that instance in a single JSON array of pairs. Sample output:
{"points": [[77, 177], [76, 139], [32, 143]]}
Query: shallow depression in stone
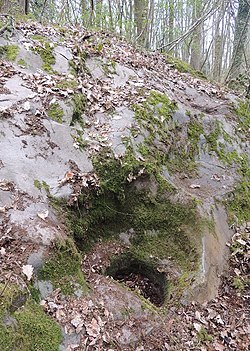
{"points": [[141, 276]]}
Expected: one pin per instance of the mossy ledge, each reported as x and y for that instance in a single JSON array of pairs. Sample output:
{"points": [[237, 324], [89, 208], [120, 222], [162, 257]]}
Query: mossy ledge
{"points": [[184, 67], [63, 269], [24, 325]]}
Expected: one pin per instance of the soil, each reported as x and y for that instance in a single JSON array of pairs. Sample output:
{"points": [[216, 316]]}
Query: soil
{"points": [[145, 287]]}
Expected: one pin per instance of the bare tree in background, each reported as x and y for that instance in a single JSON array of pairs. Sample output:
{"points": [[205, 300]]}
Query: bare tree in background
{"points": [[240, 39], [14, 6]]}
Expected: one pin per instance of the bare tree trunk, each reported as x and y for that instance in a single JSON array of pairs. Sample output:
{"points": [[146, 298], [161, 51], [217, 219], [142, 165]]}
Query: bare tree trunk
{"points": [[171, 21], [111, 22], [14, 7], [195, 59], [240, 38], [141, 17]]}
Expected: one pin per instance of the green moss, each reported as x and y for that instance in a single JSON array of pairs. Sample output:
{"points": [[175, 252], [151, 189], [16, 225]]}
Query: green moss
{"points": [[212, 138], [56, 112], [238, 203], [39, 38], [80, 142], [194, 132], [203, 335], [67, 84], [184, 67], [109, 67], [63, 269], [35, 293], [45, 50], [116, 206], [163, 137], [30, 329], [181, 161], [37, 184], [218, 147], [79, 106], [21, 62], [9, 52], [41, 185], [242, 110], [155, 113], [238, 284], [162, 229], [36, 331]]}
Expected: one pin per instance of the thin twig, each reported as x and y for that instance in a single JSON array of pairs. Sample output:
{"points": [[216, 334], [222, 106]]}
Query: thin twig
{"points": [[5, 286]]}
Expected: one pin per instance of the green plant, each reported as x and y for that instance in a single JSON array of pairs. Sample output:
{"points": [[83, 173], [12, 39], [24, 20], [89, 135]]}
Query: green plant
{"points": [[21, 62], [238, 284], [56, 112], [79, 106], [203, 335], [41, 185], [9, 52]]}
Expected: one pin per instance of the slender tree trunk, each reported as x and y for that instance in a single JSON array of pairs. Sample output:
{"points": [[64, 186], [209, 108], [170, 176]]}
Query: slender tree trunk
{"points": [[240, 38], [195, 59], [171, 21], [14, 6], [111, 22], [140, 15]]}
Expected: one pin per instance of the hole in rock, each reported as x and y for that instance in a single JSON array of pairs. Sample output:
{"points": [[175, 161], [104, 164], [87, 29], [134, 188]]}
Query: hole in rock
{"points": [[137, 274]]}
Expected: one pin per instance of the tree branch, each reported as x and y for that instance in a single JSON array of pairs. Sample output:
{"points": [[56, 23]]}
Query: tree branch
{"points": [[170, 46]]}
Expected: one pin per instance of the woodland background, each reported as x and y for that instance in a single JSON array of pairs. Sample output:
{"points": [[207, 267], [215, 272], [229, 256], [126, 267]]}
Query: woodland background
{"points": [[213, 36]]}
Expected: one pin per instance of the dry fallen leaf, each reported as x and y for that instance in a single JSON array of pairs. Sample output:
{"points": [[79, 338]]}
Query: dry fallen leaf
{"points": [[93, 328], [218, 346], [28, 270], [197, 326], [26, 106], [43, 215], [195, 186], [2, 251]]}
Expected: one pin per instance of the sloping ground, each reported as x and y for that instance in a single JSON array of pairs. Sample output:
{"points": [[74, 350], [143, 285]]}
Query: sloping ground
{"points": [[119, 151]]}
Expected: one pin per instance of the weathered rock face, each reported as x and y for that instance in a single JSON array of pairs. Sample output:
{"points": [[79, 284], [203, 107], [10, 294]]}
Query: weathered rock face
{"points": [[143, 155]]}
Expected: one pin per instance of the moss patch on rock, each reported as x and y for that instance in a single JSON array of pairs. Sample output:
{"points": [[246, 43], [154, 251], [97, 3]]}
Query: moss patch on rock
{"points": [[67, 83], [184, 67], [9, 52], [56, 112], [242, 110], [165, 141], [45, 50], [63, 269], [25, 326], [238, 202], [22, 63], [79, 106]]}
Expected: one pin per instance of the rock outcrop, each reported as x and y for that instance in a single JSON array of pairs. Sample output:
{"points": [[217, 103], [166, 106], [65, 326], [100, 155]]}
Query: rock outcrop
{"points": [[114, 166]]}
